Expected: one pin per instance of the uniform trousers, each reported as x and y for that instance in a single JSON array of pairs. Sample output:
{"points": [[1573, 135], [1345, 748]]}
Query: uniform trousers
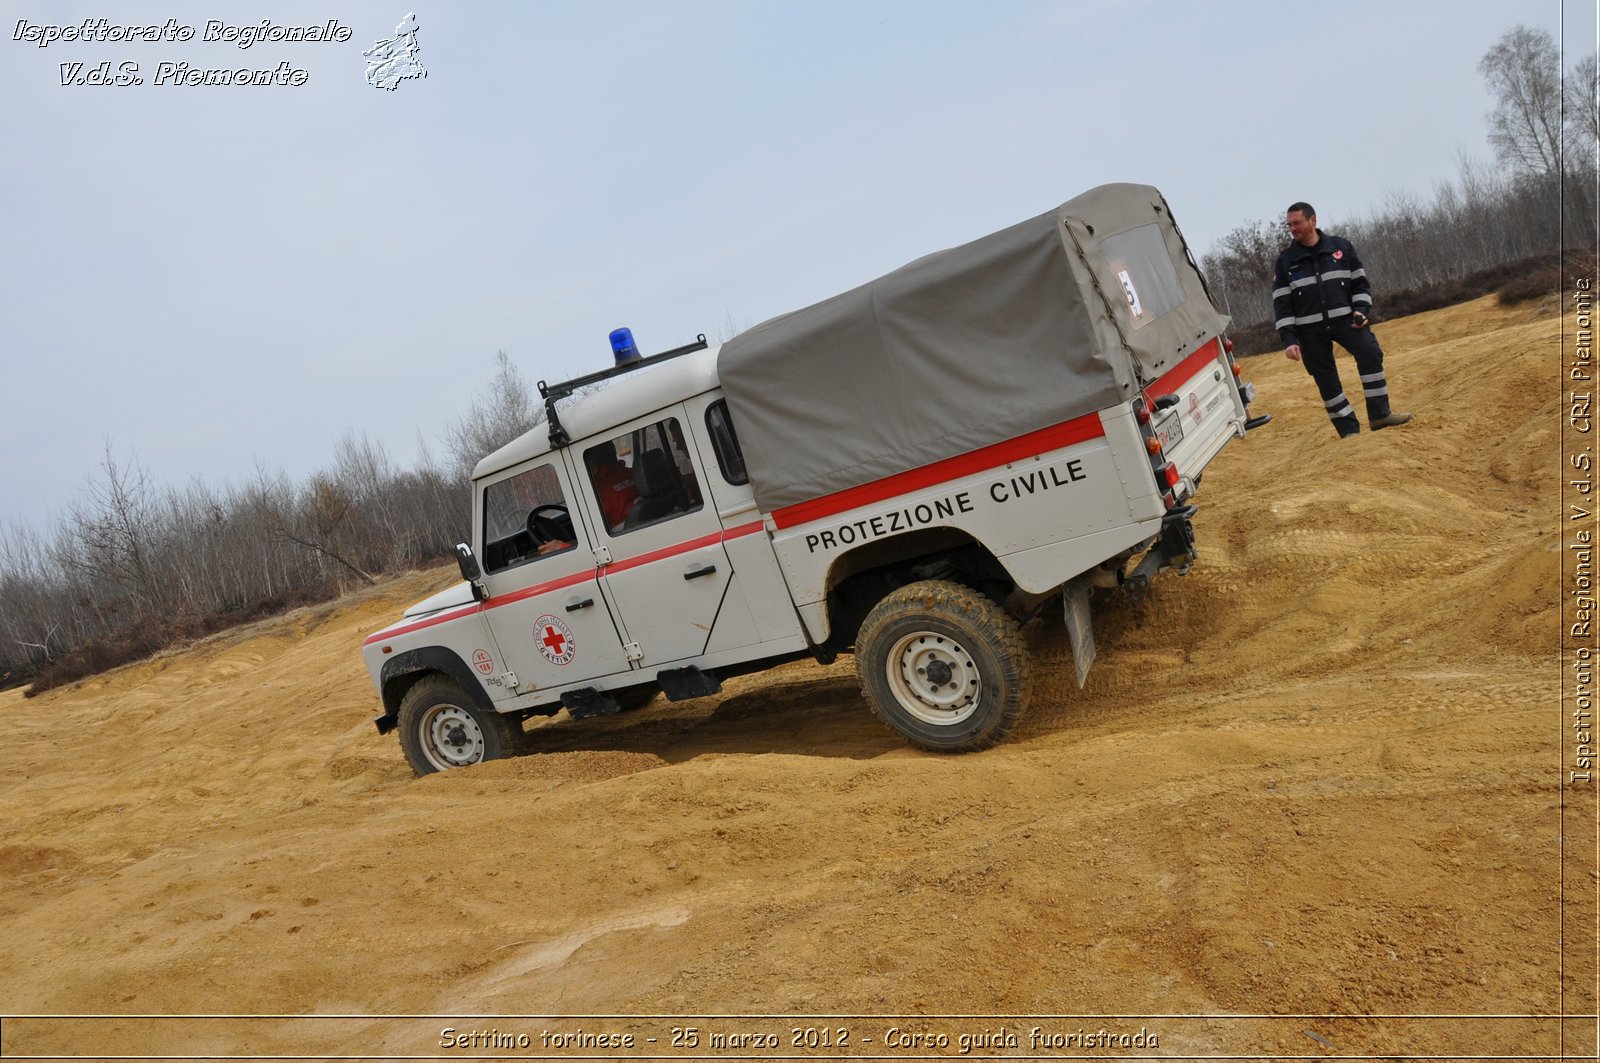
{"points": [[1316, 354]]}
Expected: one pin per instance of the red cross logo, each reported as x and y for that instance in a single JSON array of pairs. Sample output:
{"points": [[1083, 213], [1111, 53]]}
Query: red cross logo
{"points": [[554, 639]]}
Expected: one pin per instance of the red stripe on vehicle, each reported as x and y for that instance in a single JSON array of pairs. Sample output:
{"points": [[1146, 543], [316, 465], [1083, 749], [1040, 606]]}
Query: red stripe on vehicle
{"points": [[406, 629], [512, 597], [1184, 371], [743, 530], [623, 564], [981, 460], [509, 598]]}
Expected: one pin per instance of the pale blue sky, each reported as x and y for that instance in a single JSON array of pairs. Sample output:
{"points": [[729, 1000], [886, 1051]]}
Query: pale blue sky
{"points": [[221, 277]]}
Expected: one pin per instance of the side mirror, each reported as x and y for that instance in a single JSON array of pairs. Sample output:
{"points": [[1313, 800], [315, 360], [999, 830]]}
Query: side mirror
{"points": [[467, 563]]}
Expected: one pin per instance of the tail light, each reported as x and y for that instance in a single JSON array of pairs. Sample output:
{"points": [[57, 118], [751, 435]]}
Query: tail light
{"points": [[1227, 344], [1168, 475]]}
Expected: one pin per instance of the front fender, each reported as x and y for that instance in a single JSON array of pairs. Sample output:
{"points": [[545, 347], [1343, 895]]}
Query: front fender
{"points": [[403, 670]]}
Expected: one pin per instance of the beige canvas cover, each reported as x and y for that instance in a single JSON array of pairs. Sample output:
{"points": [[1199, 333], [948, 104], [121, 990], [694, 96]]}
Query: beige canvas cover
{"points": [[1058, 316]]}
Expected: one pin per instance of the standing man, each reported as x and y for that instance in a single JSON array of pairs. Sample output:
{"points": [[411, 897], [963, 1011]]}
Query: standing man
{"points": [[1320, 296]]}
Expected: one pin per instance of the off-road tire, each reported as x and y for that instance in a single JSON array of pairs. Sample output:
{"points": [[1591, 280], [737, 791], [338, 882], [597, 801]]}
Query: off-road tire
{"points": [[441, 728], [943, 666]]}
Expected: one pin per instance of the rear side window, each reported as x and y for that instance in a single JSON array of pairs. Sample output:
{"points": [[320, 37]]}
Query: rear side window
{"points": [[643, 477], [725, 442]]}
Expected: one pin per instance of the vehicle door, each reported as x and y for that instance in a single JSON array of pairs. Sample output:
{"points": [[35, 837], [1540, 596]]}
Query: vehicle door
{"points": [[667, 573], [758, 607], [545, 608]]}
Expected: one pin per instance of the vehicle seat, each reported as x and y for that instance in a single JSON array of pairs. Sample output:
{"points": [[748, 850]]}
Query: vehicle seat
{"points": [[652, 478]]}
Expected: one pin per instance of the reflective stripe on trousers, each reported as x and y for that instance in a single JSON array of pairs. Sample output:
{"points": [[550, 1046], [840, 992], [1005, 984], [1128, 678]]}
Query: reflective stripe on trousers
{"points": [[1316, 354]]}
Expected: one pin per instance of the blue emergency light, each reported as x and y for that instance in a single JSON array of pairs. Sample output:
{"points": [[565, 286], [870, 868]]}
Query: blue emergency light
{"points": [[623, 349]]}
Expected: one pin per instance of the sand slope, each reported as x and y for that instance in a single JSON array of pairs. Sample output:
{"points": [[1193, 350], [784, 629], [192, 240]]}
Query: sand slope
{"points": [[1317, 775]]}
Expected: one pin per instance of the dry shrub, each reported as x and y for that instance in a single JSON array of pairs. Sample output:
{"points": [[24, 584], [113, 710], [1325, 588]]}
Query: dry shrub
{"points": [[1260, 338], [1549, 275], [1546, 280], [139, 641], [102, 654]]}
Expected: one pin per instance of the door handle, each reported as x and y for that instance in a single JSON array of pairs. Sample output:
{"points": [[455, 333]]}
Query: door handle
{"points": [[575, 606], [697, 573]]}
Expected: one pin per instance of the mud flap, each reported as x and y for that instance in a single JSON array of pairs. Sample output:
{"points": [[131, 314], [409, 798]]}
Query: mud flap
{"points": [[1080, 629], [587, 701], [682, 684]]}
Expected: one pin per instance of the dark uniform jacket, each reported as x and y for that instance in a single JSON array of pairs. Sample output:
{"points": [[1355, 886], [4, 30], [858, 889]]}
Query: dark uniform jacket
{"points": [[1313, 285]]}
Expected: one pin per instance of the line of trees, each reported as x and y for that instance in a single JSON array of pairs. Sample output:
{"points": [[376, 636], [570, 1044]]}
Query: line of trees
{"points": [[1545, 133], [130, 568]]}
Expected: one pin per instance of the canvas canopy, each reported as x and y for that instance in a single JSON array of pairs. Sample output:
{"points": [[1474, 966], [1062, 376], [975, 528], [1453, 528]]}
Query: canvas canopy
{"points": [[1053, 318]]}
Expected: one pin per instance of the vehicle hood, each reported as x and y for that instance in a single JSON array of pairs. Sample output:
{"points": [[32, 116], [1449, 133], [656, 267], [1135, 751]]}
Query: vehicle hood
{"points": [[460, 594]]}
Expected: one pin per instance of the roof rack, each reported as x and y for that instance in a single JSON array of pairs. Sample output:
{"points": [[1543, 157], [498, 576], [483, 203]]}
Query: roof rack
{"points": [[553, 393]]}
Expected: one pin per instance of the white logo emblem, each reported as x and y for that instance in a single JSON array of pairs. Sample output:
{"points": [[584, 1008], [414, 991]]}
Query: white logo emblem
{"points": [[391, 62], [554, 639]]}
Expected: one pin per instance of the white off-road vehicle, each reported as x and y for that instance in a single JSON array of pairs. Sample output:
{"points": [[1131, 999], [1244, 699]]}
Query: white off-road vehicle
{"points": [[907, 472]]}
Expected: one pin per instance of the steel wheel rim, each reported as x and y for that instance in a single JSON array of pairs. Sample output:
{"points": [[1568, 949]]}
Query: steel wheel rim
{"points": [[934, 678], [451, 738]]}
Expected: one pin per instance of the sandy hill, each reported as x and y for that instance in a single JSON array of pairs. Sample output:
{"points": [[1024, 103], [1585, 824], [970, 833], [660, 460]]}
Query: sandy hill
{"points": [[1316, 776]]}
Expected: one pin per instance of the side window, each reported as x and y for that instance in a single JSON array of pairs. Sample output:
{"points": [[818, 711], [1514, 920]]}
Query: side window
{"points": [[725, 441], [525, 518], [643, 477]]}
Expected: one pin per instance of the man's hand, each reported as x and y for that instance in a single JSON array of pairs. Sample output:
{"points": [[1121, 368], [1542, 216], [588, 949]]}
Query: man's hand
{"points": [[1358, 319], [1292, 352]]}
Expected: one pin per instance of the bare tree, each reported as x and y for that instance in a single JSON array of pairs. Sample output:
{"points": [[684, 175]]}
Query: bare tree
{"points": [[1582, 96], [1401, 244], [731, 327], [509, 408], [31, 614], [1240, 267], [442, 507], [1523, 70], [115, 529], [321, 522]]}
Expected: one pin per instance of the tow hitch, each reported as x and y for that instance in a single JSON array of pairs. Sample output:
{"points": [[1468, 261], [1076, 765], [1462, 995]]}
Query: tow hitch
{"points": [[1175, 548]]}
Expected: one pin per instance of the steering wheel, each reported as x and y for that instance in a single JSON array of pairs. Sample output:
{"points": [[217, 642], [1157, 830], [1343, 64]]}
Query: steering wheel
{"points": [[550, 523]]}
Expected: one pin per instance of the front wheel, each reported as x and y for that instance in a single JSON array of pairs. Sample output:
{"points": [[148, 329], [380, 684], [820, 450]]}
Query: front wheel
{"points": [[441, 728], [944, 666]]}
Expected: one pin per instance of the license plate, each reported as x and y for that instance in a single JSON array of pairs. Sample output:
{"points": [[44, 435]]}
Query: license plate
{"points": [[1170, 432]]}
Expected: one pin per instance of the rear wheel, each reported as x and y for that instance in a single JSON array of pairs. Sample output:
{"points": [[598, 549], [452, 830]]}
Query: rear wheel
{"points": [[441, 728], [944, 666]]}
